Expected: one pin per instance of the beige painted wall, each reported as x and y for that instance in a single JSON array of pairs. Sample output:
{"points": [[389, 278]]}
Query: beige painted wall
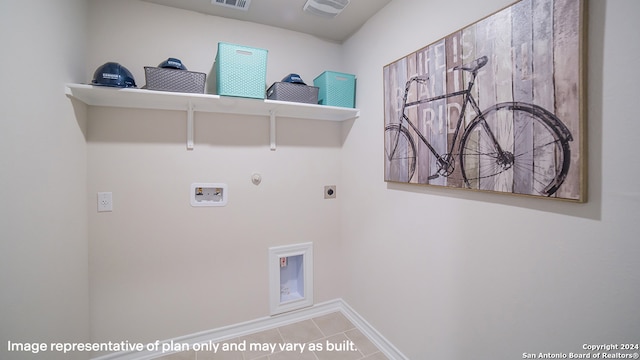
{"points": [[455, 274], [44, 292], [441, 273], [160, 268]]}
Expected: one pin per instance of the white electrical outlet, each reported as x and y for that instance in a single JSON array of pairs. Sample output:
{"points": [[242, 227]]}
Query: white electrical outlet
{"points": [[105, 201]]}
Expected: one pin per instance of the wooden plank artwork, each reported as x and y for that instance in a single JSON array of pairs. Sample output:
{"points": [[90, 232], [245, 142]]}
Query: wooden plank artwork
{"points": [[495, 106]]}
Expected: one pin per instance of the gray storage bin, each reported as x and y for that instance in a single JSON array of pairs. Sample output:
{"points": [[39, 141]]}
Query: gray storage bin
{"points": [[285, 91], [166, 79]]}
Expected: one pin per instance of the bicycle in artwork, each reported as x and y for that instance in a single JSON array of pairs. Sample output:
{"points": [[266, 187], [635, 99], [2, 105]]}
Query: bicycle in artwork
{"points": [[501, 141]]}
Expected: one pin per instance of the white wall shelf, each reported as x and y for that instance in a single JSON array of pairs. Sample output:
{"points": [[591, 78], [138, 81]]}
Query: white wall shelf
{"points": [[164, 100]]}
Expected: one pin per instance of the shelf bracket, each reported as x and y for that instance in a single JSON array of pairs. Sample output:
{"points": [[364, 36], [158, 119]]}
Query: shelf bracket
{"points": [[190, 126], [272, 130]]}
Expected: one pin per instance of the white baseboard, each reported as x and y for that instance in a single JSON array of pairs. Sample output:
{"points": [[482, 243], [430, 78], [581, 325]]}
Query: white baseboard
{"points": [[266, 323], [369, 331]]}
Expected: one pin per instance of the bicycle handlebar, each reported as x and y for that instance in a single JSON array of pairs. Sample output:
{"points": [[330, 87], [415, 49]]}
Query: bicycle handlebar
{"points": [[421, 79]]}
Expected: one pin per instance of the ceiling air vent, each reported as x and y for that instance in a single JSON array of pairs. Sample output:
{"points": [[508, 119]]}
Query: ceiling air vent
{"points": [[235, 4], [325, 8]]}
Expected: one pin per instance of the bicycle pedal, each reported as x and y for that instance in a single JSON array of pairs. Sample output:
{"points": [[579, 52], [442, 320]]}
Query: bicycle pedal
{"points": [[434, 176]]}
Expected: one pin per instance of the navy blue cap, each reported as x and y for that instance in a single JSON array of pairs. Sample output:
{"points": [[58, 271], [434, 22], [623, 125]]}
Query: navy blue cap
{"points": [[173, 63], [113, 74], [293, 78]]}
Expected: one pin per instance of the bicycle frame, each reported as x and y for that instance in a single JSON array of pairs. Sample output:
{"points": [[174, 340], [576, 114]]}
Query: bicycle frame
{"points": [[468, 99], [541, 159]]}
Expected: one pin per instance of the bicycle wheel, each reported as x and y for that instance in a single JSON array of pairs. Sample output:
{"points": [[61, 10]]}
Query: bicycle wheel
{"points": [[400, 153], [515, 147]]}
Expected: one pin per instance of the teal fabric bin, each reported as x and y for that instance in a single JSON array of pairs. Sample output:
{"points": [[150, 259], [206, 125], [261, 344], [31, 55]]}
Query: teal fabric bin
{"points": [[336, 89], [241, 71]]}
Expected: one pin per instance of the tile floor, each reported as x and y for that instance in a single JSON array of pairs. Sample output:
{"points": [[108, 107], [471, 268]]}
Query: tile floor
{"points": [[338, 337]]}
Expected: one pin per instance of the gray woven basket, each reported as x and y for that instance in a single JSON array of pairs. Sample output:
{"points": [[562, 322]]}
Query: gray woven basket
{"points": [[285, 91], [165, 79]]}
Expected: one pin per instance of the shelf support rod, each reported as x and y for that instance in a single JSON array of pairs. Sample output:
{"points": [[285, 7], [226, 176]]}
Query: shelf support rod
{"points": [[190, 126], [272, 131]]}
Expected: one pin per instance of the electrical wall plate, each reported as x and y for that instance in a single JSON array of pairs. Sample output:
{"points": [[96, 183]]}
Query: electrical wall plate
{"points": [[105, 201], [330, 192], [208, 194]]}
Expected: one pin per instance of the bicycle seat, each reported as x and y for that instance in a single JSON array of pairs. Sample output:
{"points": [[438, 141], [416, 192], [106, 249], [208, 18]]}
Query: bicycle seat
{"points": [[473, 66]]}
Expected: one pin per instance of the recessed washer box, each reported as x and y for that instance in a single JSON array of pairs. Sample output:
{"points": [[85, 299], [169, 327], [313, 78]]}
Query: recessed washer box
{"points": [[290, 277], [209, 194]]}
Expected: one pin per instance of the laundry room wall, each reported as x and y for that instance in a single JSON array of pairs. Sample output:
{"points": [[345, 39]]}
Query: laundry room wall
{"points": [[44, 286], [454, 274], [160, 268]]}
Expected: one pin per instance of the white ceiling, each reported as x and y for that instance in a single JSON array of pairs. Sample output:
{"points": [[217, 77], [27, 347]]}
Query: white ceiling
{"points": [[288, 14]]}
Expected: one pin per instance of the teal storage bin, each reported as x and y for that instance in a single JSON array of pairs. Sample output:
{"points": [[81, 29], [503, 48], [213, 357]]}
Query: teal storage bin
{"points": [[241, 71], [336, 89]]}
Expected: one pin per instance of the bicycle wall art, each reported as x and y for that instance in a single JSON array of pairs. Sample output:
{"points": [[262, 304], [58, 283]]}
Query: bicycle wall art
{"points": [[496, 106]]}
